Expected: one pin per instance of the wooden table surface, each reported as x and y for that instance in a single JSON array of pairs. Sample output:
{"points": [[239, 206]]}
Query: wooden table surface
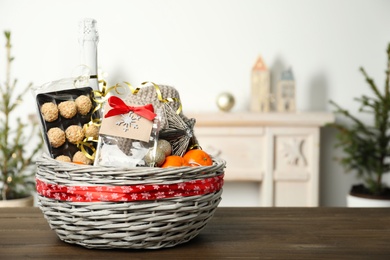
{"points": [[233, 233]]}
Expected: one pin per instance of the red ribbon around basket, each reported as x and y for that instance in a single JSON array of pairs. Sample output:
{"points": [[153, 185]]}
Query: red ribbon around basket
{"points": [[130, 192], [119, 107]]}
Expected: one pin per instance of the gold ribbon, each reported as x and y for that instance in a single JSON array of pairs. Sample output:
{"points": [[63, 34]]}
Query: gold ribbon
{"points": [[87, 143], [166, 100], [195, 146], [134, 91], [100, 96]]}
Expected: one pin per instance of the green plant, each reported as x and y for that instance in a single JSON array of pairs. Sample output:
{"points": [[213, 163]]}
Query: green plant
{"points": [[16, 164], [367, 147]]}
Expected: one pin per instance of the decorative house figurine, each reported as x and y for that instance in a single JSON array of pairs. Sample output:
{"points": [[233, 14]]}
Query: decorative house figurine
{"points": [[260, 95], [286, 92]]}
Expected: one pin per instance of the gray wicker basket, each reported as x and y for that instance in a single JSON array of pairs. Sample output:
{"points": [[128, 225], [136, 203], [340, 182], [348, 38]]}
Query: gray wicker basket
{"points": [[158, 222]]}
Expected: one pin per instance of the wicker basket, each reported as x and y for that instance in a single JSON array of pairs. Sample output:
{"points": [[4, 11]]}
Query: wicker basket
{"points": [[174, 214]]}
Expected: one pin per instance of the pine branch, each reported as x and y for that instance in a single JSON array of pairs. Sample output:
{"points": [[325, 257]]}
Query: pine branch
{"points": [[366, 148], [346, 113], [371, 83], [387, 80], [16, 166]]}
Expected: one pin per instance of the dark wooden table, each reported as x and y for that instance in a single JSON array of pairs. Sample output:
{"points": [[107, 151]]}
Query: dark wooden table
{"points": [[233, 233]]}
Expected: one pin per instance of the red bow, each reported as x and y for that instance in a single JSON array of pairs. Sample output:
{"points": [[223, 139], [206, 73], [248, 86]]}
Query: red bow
{"points": [[119, 107]]}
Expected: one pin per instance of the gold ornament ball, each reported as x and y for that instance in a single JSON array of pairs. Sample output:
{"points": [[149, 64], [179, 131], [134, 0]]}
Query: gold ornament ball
{"points": [[225, 101], [156, 158]]}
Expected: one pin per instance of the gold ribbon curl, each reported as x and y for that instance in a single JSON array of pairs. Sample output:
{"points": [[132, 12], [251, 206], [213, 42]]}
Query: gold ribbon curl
{"points": [[100, 95], [87, 143], [134, 91]]}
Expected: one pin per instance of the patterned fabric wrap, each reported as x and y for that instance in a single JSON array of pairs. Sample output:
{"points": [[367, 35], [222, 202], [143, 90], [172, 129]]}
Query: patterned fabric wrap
{"points": [[129, 193]]}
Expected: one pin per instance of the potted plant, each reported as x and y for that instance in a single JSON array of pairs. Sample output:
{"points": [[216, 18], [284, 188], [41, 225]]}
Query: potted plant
{"points": [[17, 150], [366, 147]]}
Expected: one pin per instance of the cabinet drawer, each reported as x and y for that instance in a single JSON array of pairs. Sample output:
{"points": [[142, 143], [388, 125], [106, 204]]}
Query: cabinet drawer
{"points": [[241, 147]]}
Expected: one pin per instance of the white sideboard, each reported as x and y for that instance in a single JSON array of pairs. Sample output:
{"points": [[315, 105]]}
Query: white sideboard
{"points": [[277, 151]]}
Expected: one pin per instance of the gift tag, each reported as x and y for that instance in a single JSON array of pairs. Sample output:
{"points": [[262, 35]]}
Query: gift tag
{"points": [[129, 125]]}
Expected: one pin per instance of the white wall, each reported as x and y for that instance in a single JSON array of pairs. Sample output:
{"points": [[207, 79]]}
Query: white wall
{"points": [[204, 47]]}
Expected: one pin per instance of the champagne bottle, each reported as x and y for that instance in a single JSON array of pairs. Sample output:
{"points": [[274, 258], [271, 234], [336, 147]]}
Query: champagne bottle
{"points": [[88, 41]]}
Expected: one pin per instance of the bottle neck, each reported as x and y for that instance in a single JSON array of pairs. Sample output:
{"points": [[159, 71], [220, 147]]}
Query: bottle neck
{"points": [[88, 41]]}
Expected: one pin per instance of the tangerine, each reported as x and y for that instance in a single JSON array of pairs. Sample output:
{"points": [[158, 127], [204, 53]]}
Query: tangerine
{"points": [[174, 161], [198, 157]]}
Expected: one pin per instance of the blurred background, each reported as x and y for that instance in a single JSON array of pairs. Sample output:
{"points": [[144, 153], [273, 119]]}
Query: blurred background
{"points": [[206, 47]]}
